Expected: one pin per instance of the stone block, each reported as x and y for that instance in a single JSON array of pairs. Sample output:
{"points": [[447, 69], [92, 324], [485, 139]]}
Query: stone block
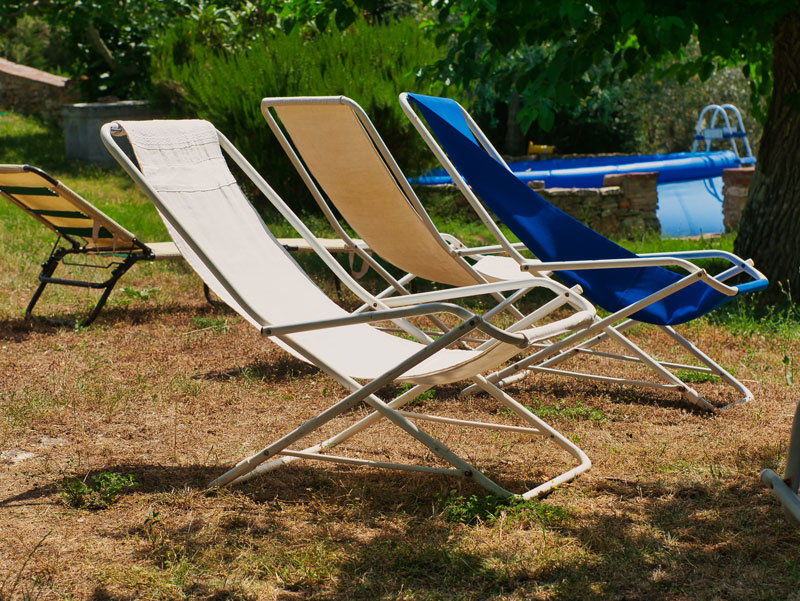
{"points": [[735, 190], [82, 123]]}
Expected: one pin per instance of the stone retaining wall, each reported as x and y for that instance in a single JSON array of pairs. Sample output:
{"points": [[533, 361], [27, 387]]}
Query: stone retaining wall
{"points": [[624, 207], [735, 190], [31, 91]]}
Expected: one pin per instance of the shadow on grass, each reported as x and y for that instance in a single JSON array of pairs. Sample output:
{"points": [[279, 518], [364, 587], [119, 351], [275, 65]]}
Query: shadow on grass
{"points": [[344, 534], [279, 369], [44, 150], [571, 388], [19, 329]]}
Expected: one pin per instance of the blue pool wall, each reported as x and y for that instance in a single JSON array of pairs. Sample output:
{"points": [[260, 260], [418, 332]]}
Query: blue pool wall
{"points": [[588, 172]]}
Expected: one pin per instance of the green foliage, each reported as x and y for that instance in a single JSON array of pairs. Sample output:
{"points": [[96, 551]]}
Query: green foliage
{"points": [[556, 55], [489, 508], [104, 43], [32, 41], [100, 493], [108, 44], [371, 64], [662, 112], [633, 37]]}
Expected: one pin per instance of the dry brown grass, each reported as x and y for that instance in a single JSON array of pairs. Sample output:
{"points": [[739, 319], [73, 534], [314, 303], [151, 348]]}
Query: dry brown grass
{"points": [[172, 391], [672, 508]]}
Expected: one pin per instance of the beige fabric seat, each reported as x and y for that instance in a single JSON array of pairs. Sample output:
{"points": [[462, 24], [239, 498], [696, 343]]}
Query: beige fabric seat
{"points": [[223, 238]]}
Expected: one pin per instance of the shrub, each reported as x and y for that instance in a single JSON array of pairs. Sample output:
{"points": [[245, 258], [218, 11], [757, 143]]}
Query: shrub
{"points": [[371, 64]]}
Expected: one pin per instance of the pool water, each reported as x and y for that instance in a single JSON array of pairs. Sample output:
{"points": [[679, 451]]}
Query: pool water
{"points": [[690, 208]]}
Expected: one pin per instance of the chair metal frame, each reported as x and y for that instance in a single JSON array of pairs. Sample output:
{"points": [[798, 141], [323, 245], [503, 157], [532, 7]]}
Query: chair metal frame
{"points": [[125, 251], [613, 326]]}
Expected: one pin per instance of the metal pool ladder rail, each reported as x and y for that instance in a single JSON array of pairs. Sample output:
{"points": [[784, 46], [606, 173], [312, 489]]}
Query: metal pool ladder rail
{"points": [[723, 132]]}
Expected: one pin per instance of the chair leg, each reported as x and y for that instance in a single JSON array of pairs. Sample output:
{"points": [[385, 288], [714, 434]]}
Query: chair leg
{"points": [[46, 277], [714, 367], [108, 286], [211, 301], [540, 362], [584, 463], [535, 426], [785, 490], [48, 268]]}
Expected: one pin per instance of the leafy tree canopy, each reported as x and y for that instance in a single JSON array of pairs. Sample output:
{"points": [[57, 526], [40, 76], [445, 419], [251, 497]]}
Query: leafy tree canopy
{"points": [[558, 49], [633, 35], [108, 43]]}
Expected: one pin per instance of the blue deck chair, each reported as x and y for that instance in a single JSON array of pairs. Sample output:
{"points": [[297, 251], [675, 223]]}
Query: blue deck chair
{"points": [[633, 288]]}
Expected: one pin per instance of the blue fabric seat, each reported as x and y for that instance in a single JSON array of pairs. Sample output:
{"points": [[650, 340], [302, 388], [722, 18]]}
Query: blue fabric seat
{"points": [[554, 236]]}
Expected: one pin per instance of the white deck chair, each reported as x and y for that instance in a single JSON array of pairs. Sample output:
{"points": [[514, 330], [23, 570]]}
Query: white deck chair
{"points": [[343, 160], [222, 237]]}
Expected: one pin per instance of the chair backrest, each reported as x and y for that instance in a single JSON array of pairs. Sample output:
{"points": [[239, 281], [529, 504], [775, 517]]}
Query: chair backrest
{"points": [[66, 213], [344, 154], [551, 234]]}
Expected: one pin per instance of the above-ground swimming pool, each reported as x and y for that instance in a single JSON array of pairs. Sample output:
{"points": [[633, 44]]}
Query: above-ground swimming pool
{"points": [[689, 183]]}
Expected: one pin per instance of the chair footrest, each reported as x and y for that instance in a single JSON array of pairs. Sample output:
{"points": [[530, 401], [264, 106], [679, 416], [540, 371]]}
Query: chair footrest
{"points": [[371, 463], [469, 423]]}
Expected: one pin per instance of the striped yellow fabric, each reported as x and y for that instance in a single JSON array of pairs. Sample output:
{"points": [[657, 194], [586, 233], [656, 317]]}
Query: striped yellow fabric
{"points": [[41, 198]]}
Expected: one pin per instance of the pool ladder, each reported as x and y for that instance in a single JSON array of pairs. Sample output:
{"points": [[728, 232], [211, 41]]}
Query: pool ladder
{"points": [[723, 132]]}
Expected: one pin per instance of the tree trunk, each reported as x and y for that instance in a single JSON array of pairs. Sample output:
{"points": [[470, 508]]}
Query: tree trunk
{"points": [[770, 227], [514, 141]]}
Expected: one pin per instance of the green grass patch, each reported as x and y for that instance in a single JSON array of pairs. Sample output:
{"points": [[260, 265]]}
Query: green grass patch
{"points": [[570, 411], [689, 375], [747, 316], [489, 508], [218, 325], [21, 407], [420, 399], [99, 492]]}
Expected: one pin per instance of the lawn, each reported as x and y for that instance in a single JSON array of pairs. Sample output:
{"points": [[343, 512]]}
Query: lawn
{"points": [[109, 435]]}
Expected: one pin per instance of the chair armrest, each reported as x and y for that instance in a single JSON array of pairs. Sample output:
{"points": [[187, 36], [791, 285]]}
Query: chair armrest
{"points": [[658, 261], [479, 290], [475, 321]]}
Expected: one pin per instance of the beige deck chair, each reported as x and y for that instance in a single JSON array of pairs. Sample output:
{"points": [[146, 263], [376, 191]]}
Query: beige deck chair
{"points": [[88, 231], [343, 160], [83, 227], [223, 238]]}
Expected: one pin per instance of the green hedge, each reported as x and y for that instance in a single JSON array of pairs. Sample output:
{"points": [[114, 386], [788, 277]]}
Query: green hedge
{"points": [[371, 64]]}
